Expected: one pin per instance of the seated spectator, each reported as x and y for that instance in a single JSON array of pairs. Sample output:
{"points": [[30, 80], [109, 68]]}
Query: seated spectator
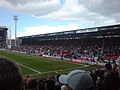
{"points": [[32, 84], [118, 66], [10, 75], [111, 80], [66, 87], [26, 80], [41, 84], [108, 68], [114, 65], [94, 76], [50, 83], [57, 83], [77, 80]]}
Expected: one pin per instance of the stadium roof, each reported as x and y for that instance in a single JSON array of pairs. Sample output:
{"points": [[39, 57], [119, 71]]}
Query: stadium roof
{"points": [[111, 30], [3, 28]]}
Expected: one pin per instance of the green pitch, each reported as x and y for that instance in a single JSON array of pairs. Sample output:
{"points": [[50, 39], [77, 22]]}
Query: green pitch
{"points": [[39, 66]]}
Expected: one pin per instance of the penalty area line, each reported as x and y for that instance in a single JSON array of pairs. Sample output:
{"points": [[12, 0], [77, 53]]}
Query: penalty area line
{"points": [[29, 68], [56, 71]]}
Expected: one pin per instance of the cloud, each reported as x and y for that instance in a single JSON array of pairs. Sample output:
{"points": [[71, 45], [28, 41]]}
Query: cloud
{"points": [[33, 7], [47, 29], [107, 8], [84, 10], [95, 11]]}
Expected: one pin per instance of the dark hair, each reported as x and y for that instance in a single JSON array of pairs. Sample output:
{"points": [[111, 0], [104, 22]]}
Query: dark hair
{"points": [[32, 84], [10, 75], [108, 66], [57, 77]]}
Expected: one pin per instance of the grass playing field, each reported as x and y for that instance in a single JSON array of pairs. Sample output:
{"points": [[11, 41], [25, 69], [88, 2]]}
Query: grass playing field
{"points": [[37, 66]]}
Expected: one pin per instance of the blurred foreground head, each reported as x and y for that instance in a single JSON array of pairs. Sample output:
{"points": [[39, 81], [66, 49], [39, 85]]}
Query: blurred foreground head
{"points": [[10, 75], [77, 80]]}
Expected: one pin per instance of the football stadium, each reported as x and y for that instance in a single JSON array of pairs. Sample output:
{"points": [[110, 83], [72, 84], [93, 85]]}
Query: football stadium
{"points": [[59, 44], [42, 55]]}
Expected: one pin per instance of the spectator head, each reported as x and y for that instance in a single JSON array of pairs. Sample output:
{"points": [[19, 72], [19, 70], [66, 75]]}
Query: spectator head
{"points": [[57, 77], [77, 80], [10, 75], [51, 77], [32, 84], [118, 66], [118, 61], [114, 61], [108, 66]]}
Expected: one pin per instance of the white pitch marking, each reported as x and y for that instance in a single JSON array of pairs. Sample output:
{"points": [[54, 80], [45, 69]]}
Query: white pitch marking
{"points": [[30, 68]]}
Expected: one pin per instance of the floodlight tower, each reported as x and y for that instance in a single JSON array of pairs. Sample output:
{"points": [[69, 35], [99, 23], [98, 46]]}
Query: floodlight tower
{"points": [[9, 37], [15, 17]]}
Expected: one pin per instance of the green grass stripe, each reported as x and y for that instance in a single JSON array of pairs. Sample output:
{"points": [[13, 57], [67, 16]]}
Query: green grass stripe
{"points": [[37, 63]]}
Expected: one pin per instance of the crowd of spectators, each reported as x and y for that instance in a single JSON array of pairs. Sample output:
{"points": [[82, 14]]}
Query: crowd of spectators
{"points": [[107, 78], [89, 48], [86, 48], [93, 52]]}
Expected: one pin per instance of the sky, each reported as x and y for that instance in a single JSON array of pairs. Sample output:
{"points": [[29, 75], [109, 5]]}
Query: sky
{"points": [[49, 16]]}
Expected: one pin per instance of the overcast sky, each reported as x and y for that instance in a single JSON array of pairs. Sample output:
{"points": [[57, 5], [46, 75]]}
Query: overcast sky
{"points": [[47, 16]]}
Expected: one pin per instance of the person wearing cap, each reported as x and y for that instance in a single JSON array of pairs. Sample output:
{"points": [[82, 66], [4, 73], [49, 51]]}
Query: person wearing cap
{"points": [[10, 75], [77, 80]]}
